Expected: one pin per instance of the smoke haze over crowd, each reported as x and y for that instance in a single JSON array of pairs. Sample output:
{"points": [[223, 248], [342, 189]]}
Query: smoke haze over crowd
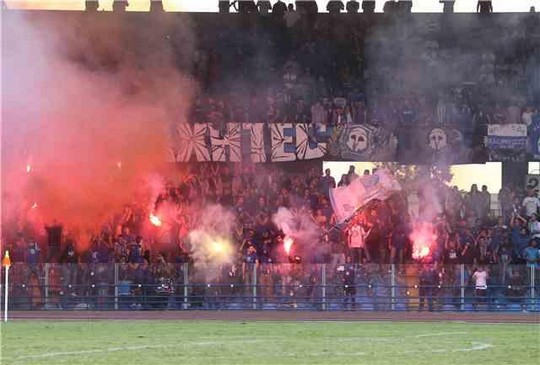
{"points": [[86, 109]]}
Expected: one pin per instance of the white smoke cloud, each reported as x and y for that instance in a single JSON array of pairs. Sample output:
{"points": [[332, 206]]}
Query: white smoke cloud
{"points": [[211, 239]]}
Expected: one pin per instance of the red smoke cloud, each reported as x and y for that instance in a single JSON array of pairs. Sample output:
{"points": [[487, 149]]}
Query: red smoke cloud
{"points": [[93, 134]]}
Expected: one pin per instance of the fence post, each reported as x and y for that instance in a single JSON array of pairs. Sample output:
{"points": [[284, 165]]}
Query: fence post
{"points": [[462, 286], [254, 286], [533, 291], [115, 286], [46, 284], [323, 282], [393, 287], [186, 279]]}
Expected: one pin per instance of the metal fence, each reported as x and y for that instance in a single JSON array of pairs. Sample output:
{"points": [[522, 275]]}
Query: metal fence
{"points": [[369, 287]]}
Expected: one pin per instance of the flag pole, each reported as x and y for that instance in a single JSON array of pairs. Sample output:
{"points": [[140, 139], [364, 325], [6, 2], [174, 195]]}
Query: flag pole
{"points": [[6, 286], [6, 263]]}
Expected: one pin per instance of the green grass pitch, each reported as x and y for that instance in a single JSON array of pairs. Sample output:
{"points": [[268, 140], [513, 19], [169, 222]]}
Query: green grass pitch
{"points": [[223, 342]]}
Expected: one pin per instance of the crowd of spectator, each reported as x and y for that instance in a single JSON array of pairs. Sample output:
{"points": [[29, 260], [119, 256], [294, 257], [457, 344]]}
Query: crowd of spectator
{"points": [[336, 73], [466, 231]]}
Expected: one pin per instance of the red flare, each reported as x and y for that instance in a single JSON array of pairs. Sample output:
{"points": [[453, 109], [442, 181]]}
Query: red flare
{"points": [[287, 244], [423, 239], [154, 219]]}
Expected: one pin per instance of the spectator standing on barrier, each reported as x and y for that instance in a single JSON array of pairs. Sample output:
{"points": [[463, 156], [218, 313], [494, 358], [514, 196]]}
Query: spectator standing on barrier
{"points": [[480, 278], [349, 284], [428, 280], [163, 275], [69, 260], [32, 258]]}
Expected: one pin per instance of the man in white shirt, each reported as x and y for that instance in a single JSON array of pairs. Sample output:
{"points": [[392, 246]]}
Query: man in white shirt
{"points": [[357, 242], [531, 203], [480, 281]]}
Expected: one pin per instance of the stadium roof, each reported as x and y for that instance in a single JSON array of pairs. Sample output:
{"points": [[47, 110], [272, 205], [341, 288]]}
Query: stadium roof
{"points": [[429, 6]]}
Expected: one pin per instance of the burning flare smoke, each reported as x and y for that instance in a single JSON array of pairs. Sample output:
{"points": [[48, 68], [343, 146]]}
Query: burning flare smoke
{"points": [[80, 136], [424, 240], [287, 244]]}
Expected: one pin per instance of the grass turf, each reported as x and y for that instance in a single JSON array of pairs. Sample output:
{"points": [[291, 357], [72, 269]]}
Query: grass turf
{"points": [[217, 342]]}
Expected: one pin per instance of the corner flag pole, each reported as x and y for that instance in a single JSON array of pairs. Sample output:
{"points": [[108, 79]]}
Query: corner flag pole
{"points": [[6, 263]]}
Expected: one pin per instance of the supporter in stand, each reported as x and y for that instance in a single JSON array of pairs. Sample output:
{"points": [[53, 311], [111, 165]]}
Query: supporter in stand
{"points": [[531, 254], [353, 6], [480, 278], [279, 9], [357, 234], [531, 203], [484, 6], [335, 7], [349, 284], [428, 282]]}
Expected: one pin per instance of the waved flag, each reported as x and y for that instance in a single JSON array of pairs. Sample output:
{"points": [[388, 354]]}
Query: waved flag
{"points": [[346, 200]]}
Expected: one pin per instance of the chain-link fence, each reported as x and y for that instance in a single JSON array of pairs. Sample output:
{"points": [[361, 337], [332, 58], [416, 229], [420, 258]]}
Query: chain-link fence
{"points": [[368, 287]]}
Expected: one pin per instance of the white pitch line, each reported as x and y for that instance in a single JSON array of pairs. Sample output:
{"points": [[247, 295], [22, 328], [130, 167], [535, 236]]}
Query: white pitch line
{"points": [[475, 346], [83, 352], [440, 334], [396, 338], [127, 348], [344, 354]]}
